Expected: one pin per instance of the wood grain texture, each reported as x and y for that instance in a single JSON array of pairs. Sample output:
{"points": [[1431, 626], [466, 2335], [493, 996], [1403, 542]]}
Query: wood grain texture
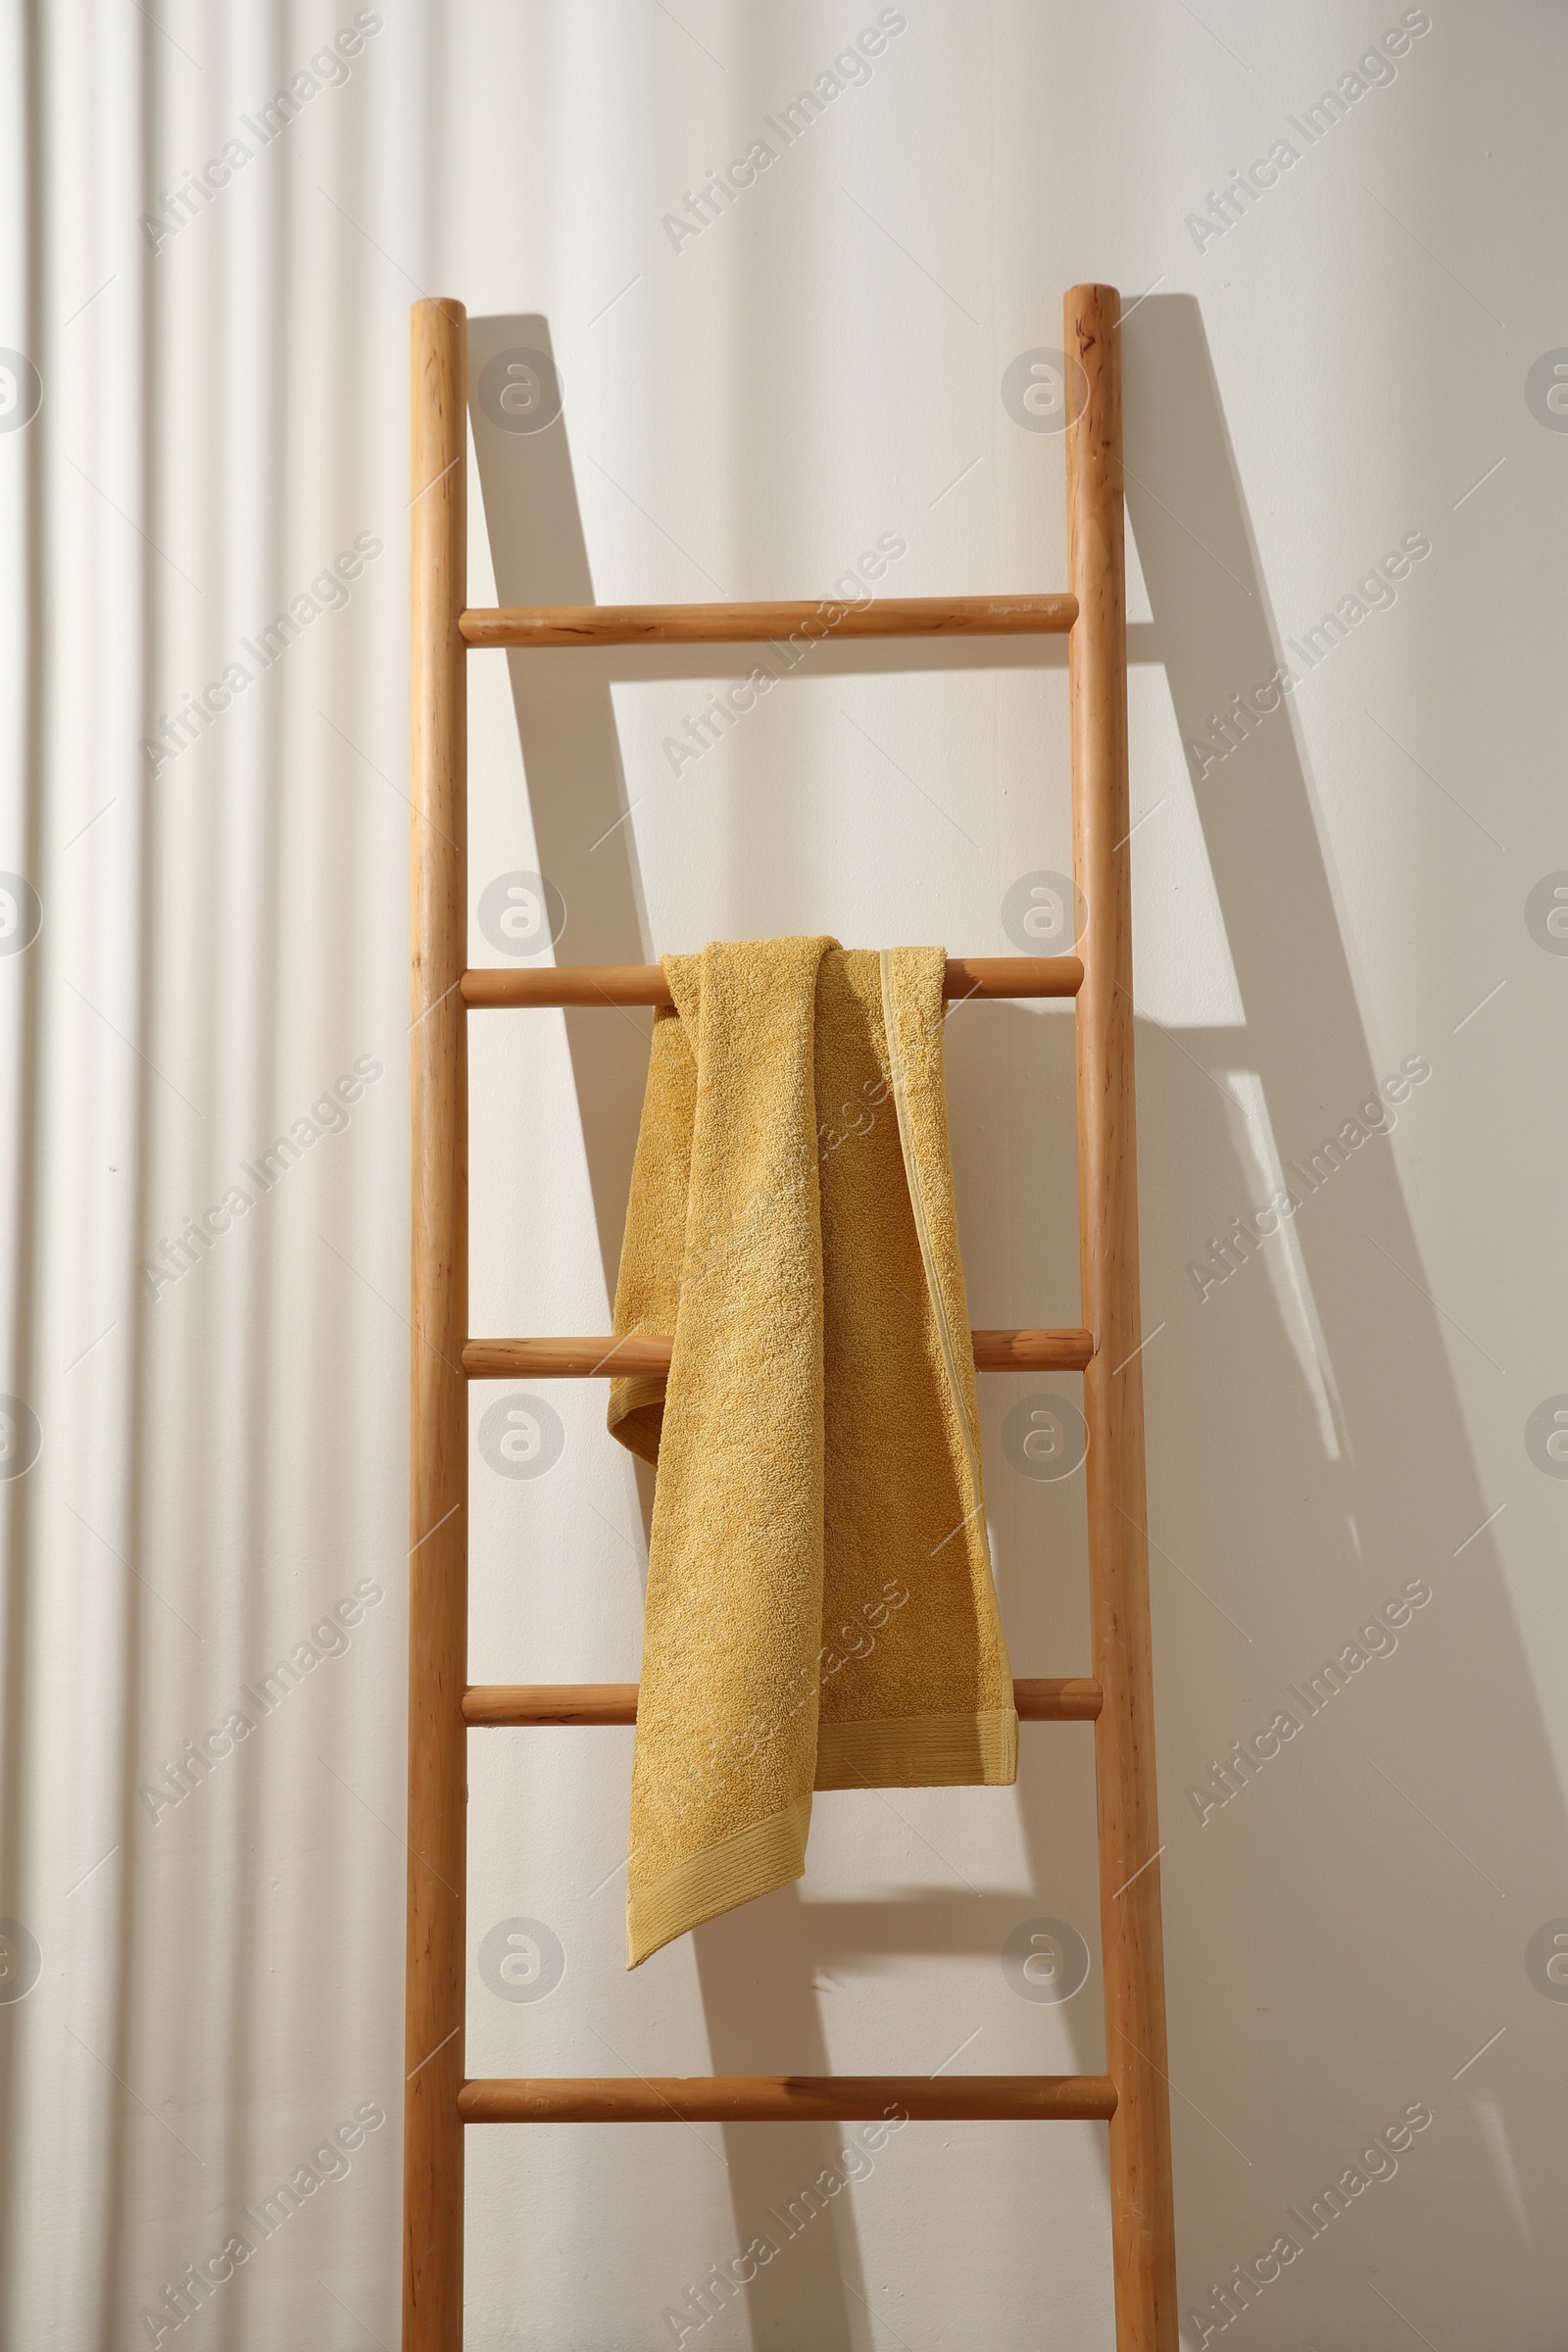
{"points": [[969, 978], [755, 624], [1032, 1350], [499, 1706], [438, 1435], [791, 2099], [603, 1357], [1143, 2239]]}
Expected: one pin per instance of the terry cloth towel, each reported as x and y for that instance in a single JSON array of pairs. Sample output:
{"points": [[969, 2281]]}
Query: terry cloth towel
{"points": [[821, 1608]]}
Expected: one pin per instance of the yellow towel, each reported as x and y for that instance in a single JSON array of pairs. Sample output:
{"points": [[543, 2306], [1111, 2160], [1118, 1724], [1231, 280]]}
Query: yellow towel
{"points": [[821, 1608]]}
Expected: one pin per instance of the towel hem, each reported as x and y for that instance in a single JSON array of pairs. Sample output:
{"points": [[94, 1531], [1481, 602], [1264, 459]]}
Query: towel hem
{"points": [[636, 1414], [737, 1870], [920, 1752]]}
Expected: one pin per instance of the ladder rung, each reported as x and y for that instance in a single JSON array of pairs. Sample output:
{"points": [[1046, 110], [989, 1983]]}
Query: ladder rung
{"points": [[491, 987], [755, 624], [605, 1357], [498, 1706], [791, 2099]]}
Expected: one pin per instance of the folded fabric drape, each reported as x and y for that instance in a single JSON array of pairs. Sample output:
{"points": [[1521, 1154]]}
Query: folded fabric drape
{"points": [[821, 1608]]}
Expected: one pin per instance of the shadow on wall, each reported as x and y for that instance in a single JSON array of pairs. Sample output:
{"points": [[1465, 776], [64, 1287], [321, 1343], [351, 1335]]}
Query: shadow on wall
{"points": [[1307, 1459], [567, 730]]}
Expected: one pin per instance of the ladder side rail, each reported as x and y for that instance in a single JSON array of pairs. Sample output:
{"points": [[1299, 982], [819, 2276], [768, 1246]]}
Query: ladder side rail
{"points": [[1118, 1558], [438, 1517]]}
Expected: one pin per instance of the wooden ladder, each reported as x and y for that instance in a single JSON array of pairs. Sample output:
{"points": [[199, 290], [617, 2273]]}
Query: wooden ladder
{"points": [[440, 2101]]}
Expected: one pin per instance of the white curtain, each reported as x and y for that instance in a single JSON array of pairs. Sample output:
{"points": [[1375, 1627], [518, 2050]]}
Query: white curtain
{"points": [[214, 220]]}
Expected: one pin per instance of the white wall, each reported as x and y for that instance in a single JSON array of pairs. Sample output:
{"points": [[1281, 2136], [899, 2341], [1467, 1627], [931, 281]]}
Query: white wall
{"points": [[224, 932]]}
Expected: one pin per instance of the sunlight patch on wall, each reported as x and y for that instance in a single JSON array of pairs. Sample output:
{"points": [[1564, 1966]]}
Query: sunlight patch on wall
{"points": [[1253, 1133]]}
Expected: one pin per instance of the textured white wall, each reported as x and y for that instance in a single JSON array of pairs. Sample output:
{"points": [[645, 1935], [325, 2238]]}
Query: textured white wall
{"points": [[192, 2005]]}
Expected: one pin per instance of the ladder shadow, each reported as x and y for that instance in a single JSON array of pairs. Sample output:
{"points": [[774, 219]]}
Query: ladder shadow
{"points": [[571, 759], [1319, 1373]]}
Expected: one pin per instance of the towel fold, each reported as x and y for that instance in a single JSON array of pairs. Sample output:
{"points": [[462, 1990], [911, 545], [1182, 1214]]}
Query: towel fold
{"points": [[821, 1608]]}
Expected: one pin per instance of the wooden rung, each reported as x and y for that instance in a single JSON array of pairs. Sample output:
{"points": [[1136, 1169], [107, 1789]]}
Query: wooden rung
{"points": [[753, 624], [791, 2099], [969, 977], [605, 1357], [500, 1706]]}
